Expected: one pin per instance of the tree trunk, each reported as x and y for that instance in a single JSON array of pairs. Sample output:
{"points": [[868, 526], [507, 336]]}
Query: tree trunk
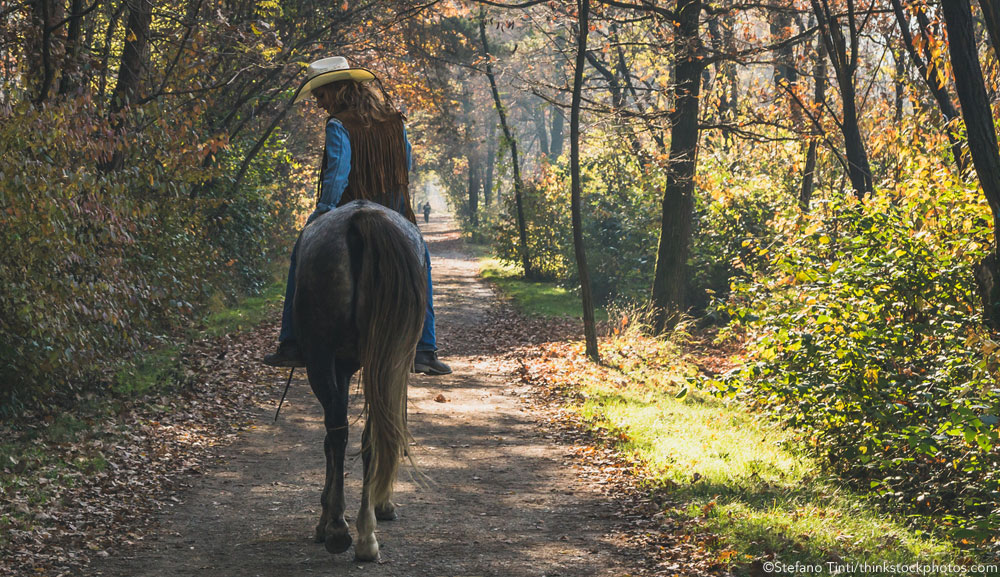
{"points": [[991, 15], [522, 230], [898, 81], [720, 30], [556, 143], [819, 97], [859, 171], [541, 131], [474, 185], [844, 59], [808, 176], [982, 137], [491, 160], [70, 75], [926, 64], [134, 54], [589, 327], [670, 275], [45, 43], [109, 34], [618, 99], [784, 55]]}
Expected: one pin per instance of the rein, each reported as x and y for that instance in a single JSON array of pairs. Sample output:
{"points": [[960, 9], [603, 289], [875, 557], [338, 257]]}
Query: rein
{"points": [[282, 401]]}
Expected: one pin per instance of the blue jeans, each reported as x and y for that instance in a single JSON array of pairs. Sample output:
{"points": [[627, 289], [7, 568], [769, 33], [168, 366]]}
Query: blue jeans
{"points": [[428, 340]]}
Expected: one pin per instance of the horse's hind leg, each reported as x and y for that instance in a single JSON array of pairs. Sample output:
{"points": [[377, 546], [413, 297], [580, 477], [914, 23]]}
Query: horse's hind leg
{"points": [[366, 548], [332, 529]]}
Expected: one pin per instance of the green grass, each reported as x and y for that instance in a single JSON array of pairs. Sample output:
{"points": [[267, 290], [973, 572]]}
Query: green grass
{"points": [[749, 482], [546, 299], [248, 312]]}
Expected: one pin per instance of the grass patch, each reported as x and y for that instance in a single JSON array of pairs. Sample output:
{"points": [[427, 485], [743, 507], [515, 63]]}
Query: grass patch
{"points": [[148, 371], [534, 298], [248, 312], [738, 474]]}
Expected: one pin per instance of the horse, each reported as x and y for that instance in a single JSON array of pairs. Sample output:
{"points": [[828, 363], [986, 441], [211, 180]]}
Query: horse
{"points": [[361, 290]]}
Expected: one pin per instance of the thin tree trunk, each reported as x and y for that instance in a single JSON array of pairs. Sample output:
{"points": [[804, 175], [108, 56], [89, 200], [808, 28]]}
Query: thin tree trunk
{"points": [[130, 68], [670, 275], [134, 54], [522, 230], [491, 160], [556, 143], [819, 97], [784, 55], [109, 35], [541, 130], [69, 80], [844, 59], [589, 327], [474, 186], [859, 170], [898, 82], [618, 99], [978, 116], [46, 15], [808, 176], [720, 29], [991, 15]]}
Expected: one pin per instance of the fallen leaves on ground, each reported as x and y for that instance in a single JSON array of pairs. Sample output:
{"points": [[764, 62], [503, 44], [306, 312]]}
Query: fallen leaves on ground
{"points": [[77, 496]]}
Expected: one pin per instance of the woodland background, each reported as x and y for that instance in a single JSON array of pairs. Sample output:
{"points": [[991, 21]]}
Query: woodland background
{"points": [[817, 180]]}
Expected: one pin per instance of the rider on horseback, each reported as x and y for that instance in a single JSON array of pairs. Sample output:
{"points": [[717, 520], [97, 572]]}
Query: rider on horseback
{"points": [[366, 156]]}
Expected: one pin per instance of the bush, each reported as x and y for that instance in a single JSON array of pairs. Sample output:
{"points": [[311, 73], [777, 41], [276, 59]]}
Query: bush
{"points": [[732, 226], [547, 219], [95, 262], [865, 335], [620, 225]]}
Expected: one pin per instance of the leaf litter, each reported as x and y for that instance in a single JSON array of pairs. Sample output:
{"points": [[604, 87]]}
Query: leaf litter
{"points": [[68, 498]]}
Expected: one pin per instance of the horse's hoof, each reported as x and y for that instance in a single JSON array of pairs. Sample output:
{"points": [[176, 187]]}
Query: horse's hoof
{"points": [[366, 549], [338, 541], [320, 535], [386, 512]]}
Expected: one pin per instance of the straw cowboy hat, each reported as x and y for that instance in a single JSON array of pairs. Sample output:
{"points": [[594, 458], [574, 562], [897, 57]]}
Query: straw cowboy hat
{"points": [[329, 70]]}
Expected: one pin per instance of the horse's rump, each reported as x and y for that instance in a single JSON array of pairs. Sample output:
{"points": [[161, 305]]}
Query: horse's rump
{"points": [[361, 296]]}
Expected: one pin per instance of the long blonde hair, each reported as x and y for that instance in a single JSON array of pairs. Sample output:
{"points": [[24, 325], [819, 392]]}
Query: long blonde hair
{"points": [[360, 98]]}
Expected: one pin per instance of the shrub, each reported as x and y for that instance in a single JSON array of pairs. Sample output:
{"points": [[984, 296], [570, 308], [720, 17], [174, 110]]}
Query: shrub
{"points": [[865, 335], [96, 262]]}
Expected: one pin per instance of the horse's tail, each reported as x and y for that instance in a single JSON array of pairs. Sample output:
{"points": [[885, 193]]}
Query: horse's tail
{"points": [[390, 296]]}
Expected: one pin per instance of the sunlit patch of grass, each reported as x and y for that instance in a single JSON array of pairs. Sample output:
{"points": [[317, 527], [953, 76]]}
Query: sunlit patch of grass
{"points": [[739, 474], [535, 298]]}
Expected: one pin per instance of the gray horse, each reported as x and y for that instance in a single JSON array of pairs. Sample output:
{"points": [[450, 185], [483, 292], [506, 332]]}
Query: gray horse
{"points": [[359, 304]]}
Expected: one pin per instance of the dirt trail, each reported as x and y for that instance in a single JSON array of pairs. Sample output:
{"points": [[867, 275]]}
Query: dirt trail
{"points": [[503, 499]]}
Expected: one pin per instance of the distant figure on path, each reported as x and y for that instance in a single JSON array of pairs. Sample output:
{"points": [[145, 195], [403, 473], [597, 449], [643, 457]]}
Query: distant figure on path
{"points": [[427, 212], [366, 156]]}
